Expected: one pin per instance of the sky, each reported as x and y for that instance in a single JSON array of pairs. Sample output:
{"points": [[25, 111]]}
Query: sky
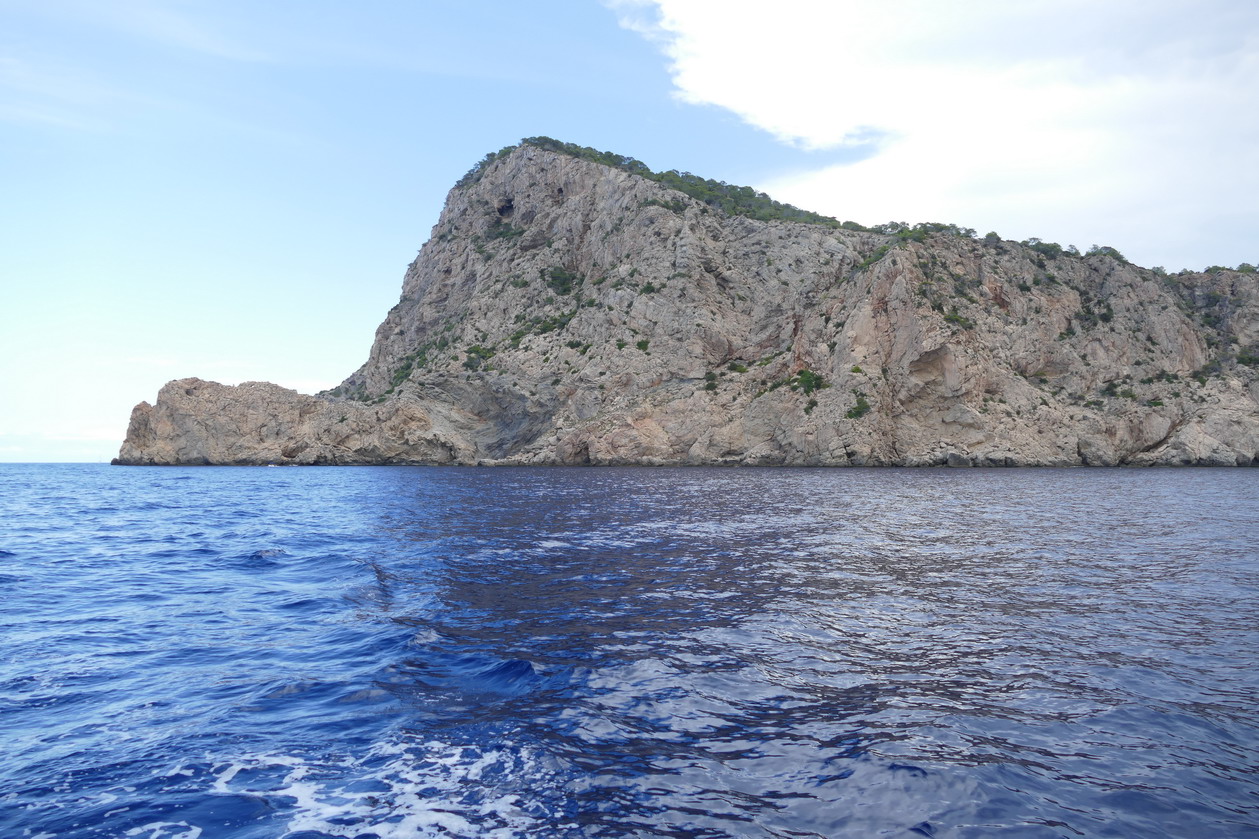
{"points": [[232, 190]]}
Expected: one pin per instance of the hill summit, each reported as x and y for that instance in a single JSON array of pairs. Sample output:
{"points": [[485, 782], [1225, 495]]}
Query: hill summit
{"points": [[574, 307]]}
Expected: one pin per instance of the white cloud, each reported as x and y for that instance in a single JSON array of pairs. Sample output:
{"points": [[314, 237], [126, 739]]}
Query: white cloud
{"points": [[1133, 124]]}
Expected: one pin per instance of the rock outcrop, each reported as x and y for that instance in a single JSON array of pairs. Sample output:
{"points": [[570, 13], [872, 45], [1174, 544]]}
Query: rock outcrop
{"points": [[569, 312]]}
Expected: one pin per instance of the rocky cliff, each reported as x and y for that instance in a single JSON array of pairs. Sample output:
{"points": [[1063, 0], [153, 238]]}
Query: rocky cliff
{"points": [[570, 312]]}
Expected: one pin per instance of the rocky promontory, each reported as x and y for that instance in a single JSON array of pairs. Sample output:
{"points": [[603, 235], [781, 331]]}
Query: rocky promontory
{"points": [[569, 309]]}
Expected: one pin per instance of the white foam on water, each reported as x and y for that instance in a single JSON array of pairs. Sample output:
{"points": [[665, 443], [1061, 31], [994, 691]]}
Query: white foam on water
{"points": [[166, 830], [397, 790]]}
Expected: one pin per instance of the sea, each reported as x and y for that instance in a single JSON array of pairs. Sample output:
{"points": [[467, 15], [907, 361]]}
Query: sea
{"points": [[372, 652]]}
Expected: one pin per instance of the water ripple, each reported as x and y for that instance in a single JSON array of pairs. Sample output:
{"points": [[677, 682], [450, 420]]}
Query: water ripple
{"points": [[628, 653]]}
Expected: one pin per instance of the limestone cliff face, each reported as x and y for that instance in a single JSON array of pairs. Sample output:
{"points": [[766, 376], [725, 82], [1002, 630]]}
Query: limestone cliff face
{"points": [[566, 312]]}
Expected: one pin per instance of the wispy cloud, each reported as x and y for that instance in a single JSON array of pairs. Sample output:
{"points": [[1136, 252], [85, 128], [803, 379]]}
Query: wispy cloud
{"points": [[187, 26], [1134, 121], [44, 91], [643, 17], [88, 66]]}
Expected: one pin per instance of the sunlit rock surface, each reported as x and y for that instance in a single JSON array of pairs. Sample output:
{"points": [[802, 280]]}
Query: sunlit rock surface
{"points": [[567, 312]]}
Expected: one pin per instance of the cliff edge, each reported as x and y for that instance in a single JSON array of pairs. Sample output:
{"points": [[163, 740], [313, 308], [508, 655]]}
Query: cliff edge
{"points": [[568, 311]]}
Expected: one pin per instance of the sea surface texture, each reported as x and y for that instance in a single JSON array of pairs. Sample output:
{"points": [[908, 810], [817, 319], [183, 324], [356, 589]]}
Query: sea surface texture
{"points": [[464, 652]]}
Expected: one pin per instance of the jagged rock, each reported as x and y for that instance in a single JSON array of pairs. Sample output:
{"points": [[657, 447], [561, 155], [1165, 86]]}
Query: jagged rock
{"points": [[568, 312], [198, 422]]}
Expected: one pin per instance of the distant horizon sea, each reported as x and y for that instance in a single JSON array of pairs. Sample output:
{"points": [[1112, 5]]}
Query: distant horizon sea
{"points": [[573, 652]]}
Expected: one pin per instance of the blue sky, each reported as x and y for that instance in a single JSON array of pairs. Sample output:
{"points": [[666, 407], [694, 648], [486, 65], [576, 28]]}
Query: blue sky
{"points": [[232, 190]]}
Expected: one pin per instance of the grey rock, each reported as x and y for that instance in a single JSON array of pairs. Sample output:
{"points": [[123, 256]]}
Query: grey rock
{"points": [[565, 312]]}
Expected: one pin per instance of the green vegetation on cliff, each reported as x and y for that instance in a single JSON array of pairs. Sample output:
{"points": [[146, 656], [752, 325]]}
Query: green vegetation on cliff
{"points": [[745, 201], [728, 198]]}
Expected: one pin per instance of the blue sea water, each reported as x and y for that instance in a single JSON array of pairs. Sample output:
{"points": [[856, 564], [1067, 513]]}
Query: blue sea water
{"points": [[431, 652]]}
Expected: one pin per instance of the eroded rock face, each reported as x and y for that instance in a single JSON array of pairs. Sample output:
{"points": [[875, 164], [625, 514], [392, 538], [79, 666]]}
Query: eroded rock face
{"points": [[568, 312], [199, 422]]}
